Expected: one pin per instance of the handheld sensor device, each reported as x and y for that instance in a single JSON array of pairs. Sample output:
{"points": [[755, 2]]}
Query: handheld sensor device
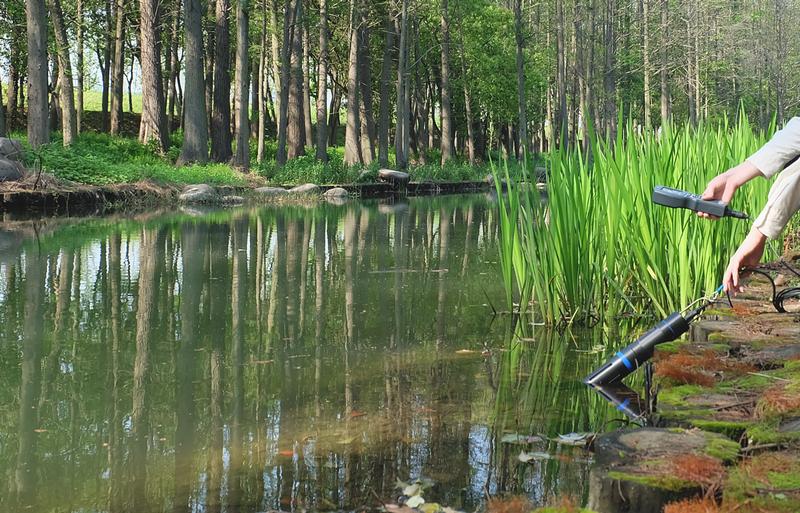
{"points": [[676, 198]]}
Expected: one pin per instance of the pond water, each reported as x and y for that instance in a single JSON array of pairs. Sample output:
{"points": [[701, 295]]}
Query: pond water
{"points": [[280, 358]]}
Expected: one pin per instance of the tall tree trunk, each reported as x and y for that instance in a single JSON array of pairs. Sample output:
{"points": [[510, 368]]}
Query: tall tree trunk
{"points": [[263, 89], [105, 69], [401, 132], [307, 87], [38, 128], [467, 96], [210, 58], [666, 103], [561, 77], [195, 130], [295, 130], [365, 79], [352, 154], [523, 120], [420, 98], [610, 78], [221, 136], [13, 78], [277, 78], [690, 68], [174, 72], [322, 87], [117, 70], [446, 142], [241, 159], [646, 68], [80, 65], [2, 114], [386, 70], [69, 123], [153, 125], [288, 21]]}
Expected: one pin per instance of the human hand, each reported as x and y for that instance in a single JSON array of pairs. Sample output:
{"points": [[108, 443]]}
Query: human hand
{"points": [[746, 257], [723, 187]]}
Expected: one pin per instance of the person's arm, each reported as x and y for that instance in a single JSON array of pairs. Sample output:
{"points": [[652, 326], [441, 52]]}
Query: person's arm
{"points": [[722, 187], [746, 257]]}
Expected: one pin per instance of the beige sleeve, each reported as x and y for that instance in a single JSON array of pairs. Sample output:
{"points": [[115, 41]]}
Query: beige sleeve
{"points": [[783, 202], [783, 147]]}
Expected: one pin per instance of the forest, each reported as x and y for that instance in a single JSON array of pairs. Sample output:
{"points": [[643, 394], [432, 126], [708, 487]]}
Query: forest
{"points": [[425, 80]]}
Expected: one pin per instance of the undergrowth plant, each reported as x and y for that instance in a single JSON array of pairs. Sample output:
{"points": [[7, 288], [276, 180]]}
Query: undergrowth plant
{"points": [[600, 245]]}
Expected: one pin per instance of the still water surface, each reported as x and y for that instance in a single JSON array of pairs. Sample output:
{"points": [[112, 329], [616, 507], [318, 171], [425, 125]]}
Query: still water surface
{"points": [[280, 358]]}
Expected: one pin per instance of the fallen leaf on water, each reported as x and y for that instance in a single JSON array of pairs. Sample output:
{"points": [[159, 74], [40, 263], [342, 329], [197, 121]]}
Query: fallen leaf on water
{"points": [[525, 457], [531, 439], [430, 507], [422, 408], [261, 362], [527, 339], [347, 441], [573, 438], [357, 414], [563, 458], [407, 440], [465, 351], [286, 453], [412, 489], [39, 430]]}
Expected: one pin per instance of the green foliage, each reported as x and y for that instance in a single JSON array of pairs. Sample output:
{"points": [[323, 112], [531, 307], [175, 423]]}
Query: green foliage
{"points": [[601, 245], [98, 159]]}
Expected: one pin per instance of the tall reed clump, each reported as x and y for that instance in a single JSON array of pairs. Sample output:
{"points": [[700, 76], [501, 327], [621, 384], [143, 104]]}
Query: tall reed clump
{"points": [[600, 245]]}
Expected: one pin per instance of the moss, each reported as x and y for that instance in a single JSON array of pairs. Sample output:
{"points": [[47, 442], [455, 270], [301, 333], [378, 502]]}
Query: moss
{"points": [[721, 313], [756, 382], [676, 345], [785, 480], [675, 395], [768, 434], [723, 448], [732, 430], [672, 484]]}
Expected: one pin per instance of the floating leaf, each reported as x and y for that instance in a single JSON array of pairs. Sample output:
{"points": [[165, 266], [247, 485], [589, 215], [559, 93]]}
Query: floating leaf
{"points": [[347, 441], [396, 508], [286, 453], [421, 408], [430, 507], [415, 501], [412, 489], [573, 438], [531, 439], [357, 414], [400, 484], [465, 351], [511, 438], [525, 457]]}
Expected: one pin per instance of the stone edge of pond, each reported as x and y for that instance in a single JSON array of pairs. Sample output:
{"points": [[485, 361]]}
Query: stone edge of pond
{"points": [[91, 199]]}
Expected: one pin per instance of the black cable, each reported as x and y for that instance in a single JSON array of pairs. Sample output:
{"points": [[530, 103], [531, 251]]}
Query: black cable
{"points": [[778, 297]]}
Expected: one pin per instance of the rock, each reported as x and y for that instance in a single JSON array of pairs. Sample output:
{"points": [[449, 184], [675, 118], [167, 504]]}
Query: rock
{"points": [[336, 200], [10, 148], [363, 173], [233, 200], [490, 180], [272, 191], [199, 193], [780, 280], [540, 174], [308, 189], [396, 178], [9, 172], [336, 192], [633, 471]]}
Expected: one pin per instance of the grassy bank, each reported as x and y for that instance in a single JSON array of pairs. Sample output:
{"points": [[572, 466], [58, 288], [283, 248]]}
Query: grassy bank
{"points": [[601, 246], [98, 159]]}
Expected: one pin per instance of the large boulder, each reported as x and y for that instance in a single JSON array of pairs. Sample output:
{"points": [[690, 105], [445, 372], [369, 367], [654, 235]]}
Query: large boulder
{"points": [[271, 192], [10, 148], [336, 192], [199, 193], [490, 178], [308, 189], [9, 171], [396, 178]]}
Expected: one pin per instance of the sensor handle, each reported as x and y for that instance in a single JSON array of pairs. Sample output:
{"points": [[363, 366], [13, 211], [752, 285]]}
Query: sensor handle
{"points": [[676, 198]]}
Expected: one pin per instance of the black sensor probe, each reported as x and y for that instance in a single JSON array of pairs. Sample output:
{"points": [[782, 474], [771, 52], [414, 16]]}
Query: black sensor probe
{"points": [[676, 198]]}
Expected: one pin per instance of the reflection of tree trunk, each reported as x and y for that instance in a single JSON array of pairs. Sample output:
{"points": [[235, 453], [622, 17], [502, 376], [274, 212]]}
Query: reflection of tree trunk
{"points": [[115, 427], [145, 320], [293, 230], [63, 295], [25, 475], [319, 262], [444, 243], [193, 238], [302, 282], [238, 303], [218, 245]]}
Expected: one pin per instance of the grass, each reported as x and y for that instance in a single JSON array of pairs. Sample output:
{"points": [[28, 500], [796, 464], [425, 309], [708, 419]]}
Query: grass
{"points": [[607, 247]]}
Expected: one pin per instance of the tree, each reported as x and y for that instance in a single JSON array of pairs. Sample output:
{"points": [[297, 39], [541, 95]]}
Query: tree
{"points": [[322, 95], [153, 124], [117, 71], [38, 129], [221, 136], [523, 130], [402, 116], [447, 136], [365, 79], [241, 159], [69, 125], [296, 136], [352, 153], [195, 130], [386, 69]]}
